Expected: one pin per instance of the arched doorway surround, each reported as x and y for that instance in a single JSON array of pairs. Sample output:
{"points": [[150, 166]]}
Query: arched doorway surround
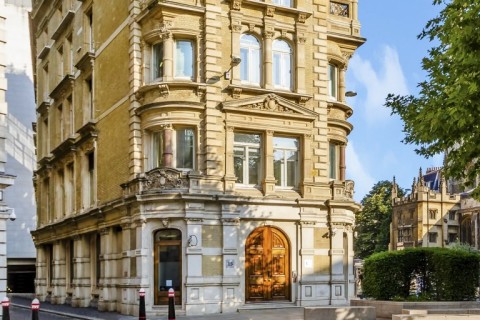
{"points": [[267, 265]]}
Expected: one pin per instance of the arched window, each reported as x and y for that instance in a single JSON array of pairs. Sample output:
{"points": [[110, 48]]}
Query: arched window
{"points": [[250, 55], [282, 64]]}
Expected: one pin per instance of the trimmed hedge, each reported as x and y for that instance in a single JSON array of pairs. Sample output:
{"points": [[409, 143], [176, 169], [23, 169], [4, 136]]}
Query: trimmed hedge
{"points": [[439, 274]]}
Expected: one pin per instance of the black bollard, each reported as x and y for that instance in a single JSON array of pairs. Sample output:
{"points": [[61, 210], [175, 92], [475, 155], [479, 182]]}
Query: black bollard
{"points": [[5, 309], [141, 313], [171, 304], [35, 309]]}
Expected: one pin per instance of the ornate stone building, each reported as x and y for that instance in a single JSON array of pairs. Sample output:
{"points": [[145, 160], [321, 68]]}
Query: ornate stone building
{"points": [[194, 145], [427, 216]]}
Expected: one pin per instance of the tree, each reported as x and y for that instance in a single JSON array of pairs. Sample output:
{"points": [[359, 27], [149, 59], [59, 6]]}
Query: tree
{"points": [[373, 221], [445, 116]]}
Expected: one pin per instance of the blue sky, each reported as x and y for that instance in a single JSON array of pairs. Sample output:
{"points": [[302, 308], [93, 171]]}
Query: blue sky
{"points": [[389, 62]]}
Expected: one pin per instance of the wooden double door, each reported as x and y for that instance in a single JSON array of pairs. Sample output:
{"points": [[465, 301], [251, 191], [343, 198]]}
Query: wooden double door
{"points": [[267, 265]]}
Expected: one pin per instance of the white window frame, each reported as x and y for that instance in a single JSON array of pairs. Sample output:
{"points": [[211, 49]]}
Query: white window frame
{"points": [[333, 76], [176, 59], [284, 3], [286, 62], [250, 53], [154, 74], [246, 147], [282, 181], [175, 149], [334, 161]]}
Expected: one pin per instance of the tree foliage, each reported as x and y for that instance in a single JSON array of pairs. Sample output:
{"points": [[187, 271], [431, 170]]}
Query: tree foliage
{"points": [[373, 221], [445, 116]]}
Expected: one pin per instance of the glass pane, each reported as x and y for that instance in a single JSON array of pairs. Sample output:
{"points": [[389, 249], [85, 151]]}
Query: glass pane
{"points": [[332, 80], [157, 150], [185, 142], [247, 138], [239, 155], [184, 59], [169, 267], [253, 165], [333, 161], [255, 66], [244, 64], [276, 69], [157, 64], [285, 143], [168, 234], [292, 168], [286, 70], [277, 166]]}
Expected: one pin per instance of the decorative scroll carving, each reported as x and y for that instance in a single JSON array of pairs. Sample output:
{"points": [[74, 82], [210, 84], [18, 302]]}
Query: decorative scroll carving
{"points": [[164, 91], [237, 28], [251, 27], [349, 186], [303, 100], [236, 93], [165, 178], [236, 4], [339, 9], [284, 33], [302, 17], [269, 104], [270, 11]]}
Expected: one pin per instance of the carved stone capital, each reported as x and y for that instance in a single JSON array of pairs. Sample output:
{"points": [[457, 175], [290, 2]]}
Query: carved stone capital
{"points": [[236, 4], [237, 28]]}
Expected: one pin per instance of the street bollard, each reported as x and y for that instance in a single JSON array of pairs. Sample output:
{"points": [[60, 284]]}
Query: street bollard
{"points": [[171, 304], [35, 309], [141, 313], [5, 309]]}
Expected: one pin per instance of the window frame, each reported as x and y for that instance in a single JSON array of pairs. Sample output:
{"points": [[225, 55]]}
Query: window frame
{"points": [[246, 146], [334, 161], [432, 237], [175, 58], [280, 3], [157, 74], [282, 73], [333, 82], [249, 62], [284, 163], [176, 130]]}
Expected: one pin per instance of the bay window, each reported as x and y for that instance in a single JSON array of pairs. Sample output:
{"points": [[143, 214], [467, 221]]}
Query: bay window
{"points": [[247, 158], [285, 161], [172, 147], [334, 161]]}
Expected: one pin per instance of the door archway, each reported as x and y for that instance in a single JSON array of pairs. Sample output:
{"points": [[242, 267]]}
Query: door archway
{"points": [[267, 265]]}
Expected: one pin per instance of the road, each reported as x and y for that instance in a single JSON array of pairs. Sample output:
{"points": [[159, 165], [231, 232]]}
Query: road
{"points": [[26, 314]]}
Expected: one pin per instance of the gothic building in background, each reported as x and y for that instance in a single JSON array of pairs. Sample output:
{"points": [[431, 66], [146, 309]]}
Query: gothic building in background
{"points": [[427, 216], [193, 145]]}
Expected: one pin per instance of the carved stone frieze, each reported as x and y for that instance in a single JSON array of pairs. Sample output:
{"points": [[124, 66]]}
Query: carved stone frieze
{"points": [[269, 104], [164, 90], [165, 178]]}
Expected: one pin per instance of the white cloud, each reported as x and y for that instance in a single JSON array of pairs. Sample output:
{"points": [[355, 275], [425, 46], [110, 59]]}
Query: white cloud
{"points": [[379, 82], [358, 173], [18, 55]]}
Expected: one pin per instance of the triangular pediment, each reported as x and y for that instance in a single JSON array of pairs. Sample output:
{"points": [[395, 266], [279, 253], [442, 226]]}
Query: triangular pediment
{"points": [[269, 103]]}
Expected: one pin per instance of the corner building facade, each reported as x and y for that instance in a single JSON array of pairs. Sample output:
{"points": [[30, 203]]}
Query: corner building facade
{"points": [[193, 145]]}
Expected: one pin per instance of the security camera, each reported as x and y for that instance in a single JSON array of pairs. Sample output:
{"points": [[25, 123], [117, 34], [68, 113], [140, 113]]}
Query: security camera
{"points": [[12, 216]]}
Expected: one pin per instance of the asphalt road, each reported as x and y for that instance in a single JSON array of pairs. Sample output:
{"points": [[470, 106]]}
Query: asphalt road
{"points": [[26, 314]]}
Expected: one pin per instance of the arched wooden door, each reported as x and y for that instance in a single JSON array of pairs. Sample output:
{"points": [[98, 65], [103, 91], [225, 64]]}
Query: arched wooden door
{"points": [[267, 265]]}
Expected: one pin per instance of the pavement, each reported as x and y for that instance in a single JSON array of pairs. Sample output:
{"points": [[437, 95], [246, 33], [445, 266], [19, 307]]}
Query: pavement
{"points": [[267, 313]]}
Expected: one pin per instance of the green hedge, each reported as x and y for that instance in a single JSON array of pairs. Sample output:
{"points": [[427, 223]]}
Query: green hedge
{"points": [[442, 274]]}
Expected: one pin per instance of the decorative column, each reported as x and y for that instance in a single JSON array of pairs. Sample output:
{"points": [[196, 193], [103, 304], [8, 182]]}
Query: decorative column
{"points": [[167, 146], [59, 282], [81, 295], [236, 17], [230, 177], [231, 263], [306, 155], [342, 162], [194, 250], [167, 56], [300, 56], [107, 299], [269, 181], [267, 58]]}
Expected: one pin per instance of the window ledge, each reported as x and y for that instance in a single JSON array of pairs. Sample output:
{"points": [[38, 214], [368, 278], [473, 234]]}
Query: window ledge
{"points": [[63, 24], [270, 8], [43, 53], [165, 86], [85, 61], [62, 86]]}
